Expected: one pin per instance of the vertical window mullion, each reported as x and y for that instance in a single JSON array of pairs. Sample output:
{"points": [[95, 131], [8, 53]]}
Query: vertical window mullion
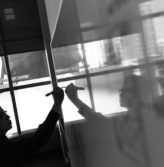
{"points": [[84, 56], [12, 94], [10, 79]]}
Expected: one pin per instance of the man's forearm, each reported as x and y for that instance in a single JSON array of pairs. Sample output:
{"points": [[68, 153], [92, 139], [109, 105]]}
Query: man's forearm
{"points": [[56, 108], [84, 109], [53, 115]]}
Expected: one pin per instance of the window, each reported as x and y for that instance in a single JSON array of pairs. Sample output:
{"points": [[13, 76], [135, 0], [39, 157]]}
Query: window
{"points": [[30, 79], [115, 38], [111, 45]]}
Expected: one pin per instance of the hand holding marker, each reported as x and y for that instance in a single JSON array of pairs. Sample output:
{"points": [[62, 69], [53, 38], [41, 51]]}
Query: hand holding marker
{"points": [[78, 88]]}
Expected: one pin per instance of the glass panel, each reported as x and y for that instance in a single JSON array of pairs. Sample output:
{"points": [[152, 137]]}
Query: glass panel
{"points": [[154, 119], [96, 53], [68, 61], [99, 12], [6, 104], [159, 78], [116, 52], [27, 68], [153, 28], [33, 106], [110, 137], [151, 7], [87, 12], [3, 74], [69, 110], [109, 131], [158, 25], [95, 34], [106, 92]]}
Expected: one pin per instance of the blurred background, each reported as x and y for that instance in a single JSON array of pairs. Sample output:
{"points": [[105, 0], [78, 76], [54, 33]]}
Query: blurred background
{"points": [[94, 44]]}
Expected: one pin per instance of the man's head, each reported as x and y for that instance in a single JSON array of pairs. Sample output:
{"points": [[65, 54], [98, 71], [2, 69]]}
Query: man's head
{"points": [[134, 91], [5, 122]]}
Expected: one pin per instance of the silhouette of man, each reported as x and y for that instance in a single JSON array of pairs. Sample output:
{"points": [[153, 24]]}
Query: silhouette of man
{"points": [[12, 152]]}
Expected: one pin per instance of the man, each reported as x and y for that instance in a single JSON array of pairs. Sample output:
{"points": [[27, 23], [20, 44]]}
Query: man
{"points": [[12, 153], [129, 127]]}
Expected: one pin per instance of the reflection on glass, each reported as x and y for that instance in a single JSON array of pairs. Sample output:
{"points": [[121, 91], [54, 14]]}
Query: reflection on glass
{"points": [[68, 60], [96, 53], [117, 51], [106, 93], [130, 49], [133, 40], [159, 79], [120, 134], [28, 67], [150, 35], [88, 15], [6, 104], [153, 28], [3, 74], [33, 106], [103, 53], [69, 110], [95, 34], [151, 7], [158, 24]]}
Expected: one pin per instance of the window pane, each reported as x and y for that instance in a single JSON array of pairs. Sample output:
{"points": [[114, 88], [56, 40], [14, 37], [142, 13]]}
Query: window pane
{"points": [[27, 68], [6, 104], [3, 74], [95, 34], [158, 25], [154, 37], [69, 110], [33, 106], [115, 52], [151, 7], [159, 79], [106, 91], [68, 61]]}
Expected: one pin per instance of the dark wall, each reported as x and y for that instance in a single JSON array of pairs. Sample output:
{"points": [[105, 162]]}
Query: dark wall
{"points": [[49, 156], [20, 26]]}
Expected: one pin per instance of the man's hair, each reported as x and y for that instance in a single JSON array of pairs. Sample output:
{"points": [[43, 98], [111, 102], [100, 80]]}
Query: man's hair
{"points": [[1, 112], [139, 86]]}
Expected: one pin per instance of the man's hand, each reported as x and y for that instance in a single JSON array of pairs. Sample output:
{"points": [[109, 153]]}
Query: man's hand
{"points": [[58, 96], [71, 92]]}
